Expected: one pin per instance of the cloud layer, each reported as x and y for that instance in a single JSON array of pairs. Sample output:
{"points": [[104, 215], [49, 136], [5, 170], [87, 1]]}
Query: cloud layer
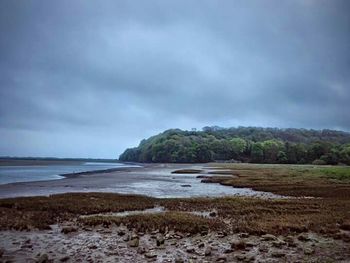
{"points": [[90, 78]]}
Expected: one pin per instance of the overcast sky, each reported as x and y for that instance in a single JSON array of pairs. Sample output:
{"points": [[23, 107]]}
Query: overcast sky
{"points": [[90, 78]]}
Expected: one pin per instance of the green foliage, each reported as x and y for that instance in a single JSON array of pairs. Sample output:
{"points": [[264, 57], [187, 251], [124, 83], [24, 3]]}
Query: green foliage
{"points": [[247, 144]]}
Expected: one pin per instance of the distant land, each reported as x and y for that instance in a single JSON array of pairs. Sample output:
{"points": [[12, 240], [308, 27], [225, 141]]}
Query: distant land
{"points": [[244, 144], [9, 160]]}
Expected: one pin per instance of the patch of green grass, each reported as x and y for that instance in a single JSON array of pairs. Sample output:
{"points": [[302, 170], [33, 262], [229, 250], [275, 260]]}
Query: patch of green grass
{"points": [[336, 173]]}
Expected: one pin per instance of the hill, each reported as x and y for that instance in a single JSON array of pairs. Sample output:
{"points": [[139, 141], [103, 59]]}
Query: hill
{"points": [[244, 144]]}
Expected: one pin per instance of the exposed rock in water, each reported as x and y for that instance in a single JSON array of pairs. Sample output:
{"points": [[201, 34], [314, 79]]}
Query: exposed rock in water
{"points": [[64, 259], [43, 258], [207, 251], [268, 237], [150, 255], [69, 229], [134, 242], [186, 185], [160, 239], [190, 250], [303, 237], [238, 245], [278, 254]]}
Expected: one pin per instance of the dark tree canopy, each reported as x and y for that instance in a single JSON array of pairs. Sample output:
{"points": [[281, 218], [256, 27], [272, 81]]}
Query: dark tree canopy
{"points": [[246, 144]]}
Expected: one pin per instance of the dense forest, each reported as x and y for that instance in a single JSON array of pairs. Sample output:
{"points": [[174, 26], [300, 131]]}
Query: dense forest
{"points": [[244, 144]]}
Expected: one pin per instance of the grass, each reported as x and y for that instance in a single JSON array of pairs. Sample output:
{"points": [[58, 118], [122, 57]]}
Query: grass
{"points": [[39, 212], [177, 221], [291, 180], [282, 216]]}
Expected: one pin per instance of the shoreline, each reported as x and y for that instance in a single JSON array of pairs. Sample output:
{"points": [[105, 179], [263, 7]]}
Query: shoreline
{"points": [[156, 180]]}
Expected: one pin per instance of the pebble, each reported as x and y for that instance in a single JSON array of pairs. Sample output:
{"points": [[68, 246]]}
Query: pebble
{"points": [[134, 242], [207, 251], [268, 237], [43, 258], [69, 229]]}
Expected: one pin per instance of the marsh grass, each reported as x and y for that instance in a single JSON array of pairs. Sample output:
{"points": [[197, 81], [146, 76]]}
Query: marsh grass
{"points": [[41, 211], [259, 216], [177, 221], [291, 180]]}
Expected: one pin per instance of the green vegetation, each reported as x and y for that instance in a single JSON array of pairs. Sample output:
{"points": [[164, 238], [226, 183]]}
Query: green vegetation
{"points": [[244, 144]]}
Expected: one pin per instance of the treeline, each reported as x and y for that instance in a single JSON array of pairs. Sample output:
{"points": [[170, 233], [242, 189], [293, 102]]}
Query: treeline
{"points": [[244, 144]]}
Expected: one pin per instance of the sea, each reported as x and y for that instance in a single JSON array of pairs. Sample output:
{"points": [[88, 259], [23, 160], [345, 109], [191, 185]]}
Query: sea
{"points": [[29, 173]]}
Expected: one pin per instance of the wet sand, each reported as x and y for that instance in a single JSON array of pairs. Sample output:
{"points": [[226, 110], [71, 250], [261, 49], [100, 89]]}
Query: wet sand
{"points": [[154, 180]]}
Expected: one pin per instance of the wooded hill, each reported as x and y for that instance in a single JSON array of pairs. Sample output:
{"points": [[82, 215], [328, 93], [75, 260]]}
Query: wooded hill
{"points": [[245, 144]]}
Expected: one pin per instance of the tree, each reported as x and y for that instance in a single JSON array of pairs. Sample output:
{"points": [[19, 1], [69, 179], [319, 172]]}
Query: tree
{"points": [[257, 153], [238, 147], [271, 149]]}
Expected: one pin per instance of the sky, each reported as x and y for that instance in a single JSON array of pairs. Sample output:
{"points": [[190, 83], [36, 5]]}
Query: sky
{"points": [[89, 78]]}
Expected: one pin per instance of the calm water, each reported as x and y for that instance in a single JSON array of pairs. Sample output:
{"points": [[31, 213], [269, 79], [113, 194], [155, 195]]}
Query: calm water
{"points": [[28, 173]]}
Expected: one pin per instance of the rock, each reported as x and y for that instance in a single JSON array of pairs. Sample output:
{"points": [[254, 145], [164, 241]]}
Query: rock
{"points": [[278, 254], [278, 243], [121, 232], [64, 259], [238, 245], [69, 229], [228, 250], [93, 246], [212, 214], [142, 250], [207, 251], [43, 258], [178, 235], [345, 226], [204, 233], [190, 250], [27, 246], [134, 236], [186, 185], [126, 238], [150, 255], [221, 235], [250, 244], [134, 242], [303, 237], [263, 248], [179, 260], [245, 258], [201, 245], [268, 237], [243, 235], [309, 251], [221, 258], [160, 239]]}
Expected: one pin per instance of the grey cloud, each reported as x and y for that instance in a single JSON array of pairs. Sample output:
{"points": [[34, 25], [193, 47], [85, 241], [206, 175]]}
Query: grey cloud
{"points": [[103, 75]]}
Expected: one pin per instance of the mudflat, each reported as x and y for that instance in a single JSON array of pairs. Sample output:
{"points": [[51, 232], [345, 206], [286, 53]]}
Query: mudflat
{"points": [[157, 180]]}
